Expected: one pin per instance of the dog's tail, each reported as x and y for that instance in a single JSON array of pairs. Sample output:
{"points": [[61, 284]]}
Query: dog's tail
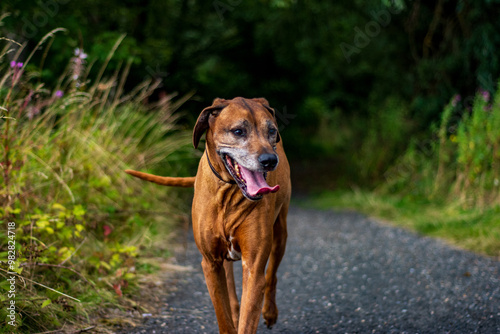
{"points": [[186, 182]]}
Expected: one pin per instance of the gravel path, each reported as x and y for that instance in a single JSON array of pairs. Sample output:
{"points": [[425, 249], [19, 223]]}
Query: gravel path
{"points": [[344, 273]]}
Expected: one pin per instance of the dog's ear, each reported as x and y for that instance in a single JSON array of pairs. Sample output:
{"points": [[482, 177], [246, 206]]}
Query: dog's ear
{"points": [[265, 103], [202, 122], [262, 101]]}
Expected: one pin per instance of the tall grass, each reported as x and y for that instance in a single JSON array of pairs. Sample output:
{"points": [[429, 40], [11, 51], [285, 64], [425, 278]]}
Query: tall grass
{"points": [[461, 164], [447, 185], [80, 223]]}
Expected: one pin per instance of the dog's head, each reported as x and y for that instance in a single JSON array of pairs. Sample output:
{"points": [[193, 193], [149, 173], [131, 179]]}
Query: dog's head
{"points": [[244, 133]]}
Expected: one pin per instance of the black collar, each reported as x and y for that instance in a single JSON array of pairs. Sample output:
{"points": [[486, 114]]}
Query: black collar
{"points": [[217, 174]]}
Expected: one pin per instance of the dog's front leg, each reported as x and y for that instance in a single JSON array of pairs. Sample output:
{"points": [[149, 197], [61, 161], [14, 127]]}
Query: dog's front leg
{"points": [[253, 265], [233, 297], [270, 310], [215, 278]]}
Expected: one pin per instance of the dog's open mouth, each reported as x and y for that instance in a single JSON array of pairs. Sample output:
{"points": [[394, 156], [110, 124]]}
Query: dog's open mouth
{"points": [[252, 184]]}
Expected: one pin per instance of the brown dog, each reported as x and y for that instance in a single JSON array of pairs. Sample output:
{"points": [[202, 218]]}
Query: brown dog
{"points": [[236, 214]]}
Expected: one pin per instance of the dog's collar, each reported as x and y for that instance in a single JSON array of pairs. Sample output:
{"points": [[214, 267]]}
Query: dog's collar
{"points": [[215, 172]]}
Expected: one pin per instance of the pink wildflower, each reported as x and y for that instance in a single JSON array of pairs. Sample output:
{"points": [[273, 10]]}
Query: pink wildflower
{"points": [[107, 230], [14, 64], [78, 65], [486, 95], [457, 98], [17, 70], [80, 54]]}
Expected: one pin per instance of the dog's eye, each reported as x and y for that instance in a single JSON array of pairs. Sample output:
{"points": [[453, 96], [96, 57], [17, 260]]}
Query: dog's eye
{"points": [[272, 132], [238, 132]]}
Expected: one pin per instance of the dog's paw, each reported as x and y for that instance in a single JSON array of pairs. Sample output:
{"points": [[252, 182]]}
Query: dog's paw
{"points": [[270, 314]]}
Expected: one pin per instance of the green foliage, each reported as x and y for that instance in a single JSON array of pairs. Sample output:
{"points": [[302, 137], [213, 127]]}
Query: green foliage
{"points": [[288, 51], [447, 186], [387, 127], [346, 78], [81, 224], [356, 141], [462, 164]]}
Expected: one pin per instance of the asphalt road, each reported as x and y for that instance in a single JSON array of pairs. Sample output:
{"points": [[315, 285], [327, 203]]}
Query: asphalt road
{"points": [[344, 273]]}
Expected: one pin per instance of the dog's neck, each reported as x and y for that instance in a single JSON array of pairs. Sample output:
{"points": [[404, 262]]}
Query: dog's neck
{"points": [[215, 171], [215, 163]]}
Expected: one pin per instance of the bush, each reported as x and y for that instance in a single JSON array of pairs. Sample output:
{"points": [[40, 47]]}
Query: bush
{"points": [[363, 147], [78, 222], [462, 161]]}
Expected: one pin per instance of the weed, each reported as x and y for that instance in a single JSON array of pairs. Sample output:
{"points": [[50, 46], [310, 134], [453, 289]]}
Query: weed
{"points": [[462, 164], [80, 223], [447, 186]]}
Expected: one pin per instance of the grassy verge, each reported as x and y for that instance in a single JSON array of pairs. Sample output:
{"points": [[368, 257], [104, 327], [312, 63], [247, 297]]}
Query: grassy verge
{"points": [[477, 230], [76, 232], [447, 185]]}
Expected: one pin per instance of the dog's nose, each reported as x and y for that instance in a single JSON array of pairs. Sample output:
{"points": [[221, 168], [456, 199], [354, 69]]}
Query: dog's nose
{"points": [[268, 161]]}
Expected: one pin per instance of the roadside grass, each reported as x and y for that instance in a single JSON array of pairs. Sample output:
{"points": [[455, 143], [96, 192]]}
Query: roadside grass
{"points": [[82, 232], [445, 186], [477, 230]]}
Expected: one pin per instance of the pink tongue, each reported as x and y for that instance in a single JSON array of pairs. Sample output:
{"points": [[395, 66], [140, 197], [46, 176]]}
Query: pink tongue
{"points": [[256, 184]]}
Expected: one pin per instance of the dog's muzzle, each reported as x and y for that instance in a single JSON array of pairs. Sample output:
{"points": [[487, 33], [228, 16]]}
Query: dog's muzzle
{"points": [[252, 184]]}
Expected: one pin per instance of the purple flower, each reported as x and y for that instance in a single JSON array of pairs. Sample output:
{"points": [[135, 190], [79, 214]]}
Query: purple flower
{"points": [[59, 94], [16, 70], [457, 98], [78, 65], [14, 64], [486, 95], [80, 54]]}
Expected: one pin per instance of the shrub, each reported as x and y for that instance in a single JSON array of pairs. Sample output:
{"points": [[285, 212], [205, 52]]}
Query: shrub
{"points": [[462, 161], [79, 222], [363, 148]]}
